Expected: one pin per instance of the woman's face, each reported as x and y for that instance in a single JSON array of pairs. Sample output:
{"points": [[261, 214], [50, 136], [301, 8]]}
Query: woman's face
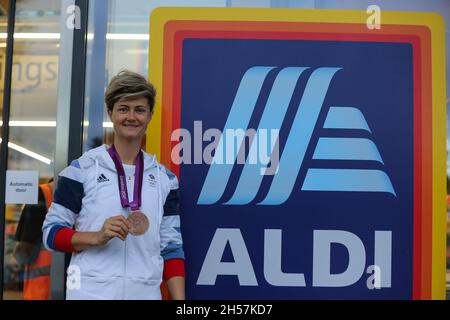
{"points": [[130, 118]]}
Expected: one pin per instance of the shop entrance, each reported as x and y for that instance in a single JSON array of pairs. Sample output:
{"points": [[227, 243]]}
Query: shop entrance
{"points": [[29, 64]]}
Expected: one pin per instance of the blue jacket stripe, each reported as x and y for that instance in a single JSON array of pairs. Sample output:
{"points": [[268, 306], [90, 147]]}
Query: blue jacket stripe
{"points": [[69, 194], [173, 251], [172, 204], [75, 164], [51, 236]]}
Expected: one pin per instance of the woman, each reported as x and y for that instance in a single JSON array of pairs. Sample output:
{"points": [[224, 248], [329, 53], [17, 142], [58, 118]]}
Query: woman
{"points": [[116, 209]]}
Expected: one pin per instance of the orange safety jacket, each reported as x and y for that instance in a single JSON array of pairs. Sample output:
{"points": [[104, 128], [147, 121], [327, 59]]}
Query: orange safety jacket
{"points": [[37, 274]]}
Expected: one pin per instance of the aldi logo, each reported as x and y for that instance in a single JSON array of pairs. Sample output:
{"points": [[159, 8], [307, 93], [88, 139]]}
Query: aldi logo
{"points": [[309, 150], [305, 120]]}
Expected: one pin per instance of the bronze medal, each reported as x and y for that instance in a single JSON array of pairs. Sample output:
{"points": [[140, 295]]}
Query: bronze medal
{"points": [[139, 223]]}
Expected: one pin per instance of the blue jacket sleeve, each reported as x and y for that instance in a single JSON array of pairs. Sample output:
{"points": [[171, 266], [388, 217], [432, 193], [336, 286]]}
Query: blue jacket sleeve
{"points": [[170, 233]]}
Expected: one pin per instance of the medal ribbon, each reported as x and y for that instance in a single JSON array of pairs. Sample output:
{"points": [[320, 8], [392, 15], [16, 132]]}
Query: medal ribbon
{"points": [[138, 176]]}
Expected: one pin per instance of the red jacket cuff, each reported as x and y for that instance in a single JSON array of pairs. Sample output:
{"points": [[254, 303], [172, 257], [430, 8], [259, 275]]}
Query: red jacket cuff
{"points": [[173, 268], [63, 240]]}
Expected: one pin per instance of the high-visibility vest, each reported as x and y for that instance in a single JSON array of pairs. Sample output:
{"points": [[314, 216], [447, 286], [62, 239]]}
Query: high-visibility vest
{"points": [[36, 284]]}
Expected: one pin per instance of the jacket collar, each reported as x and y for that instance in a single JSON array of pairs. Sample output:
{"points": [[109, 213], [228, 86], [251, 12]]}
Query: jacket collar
{"points": [[101, 155]]}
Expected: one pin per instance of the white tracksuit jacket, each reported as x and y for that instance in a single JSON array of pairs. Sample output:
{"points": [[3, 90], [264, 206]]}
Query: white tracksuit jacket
{"points": [[86, 196]]}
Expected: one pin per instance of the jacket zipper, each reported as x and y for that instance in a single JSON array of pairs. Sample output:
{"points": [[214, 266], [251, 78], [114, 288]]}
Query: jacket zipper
{"points": [[130, 183], [125, 269], [125, 247]]}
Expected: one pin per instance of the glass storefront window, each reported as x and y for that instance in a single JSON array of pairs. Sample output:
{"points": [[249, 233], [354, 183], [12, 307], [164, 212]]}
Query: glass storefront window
{"points": [[3, 32], [32, 124], [4, 6]]}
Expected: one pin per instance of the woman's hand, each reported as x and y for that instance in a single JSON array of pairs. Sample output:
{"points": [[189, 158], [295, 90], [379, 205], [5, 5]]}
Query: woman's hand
{"points": [[117, 226]]}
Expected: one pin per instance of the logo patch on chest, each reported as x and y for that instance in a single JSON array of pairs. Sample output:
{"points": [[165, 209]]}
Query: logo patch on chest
{"points": [[151, 180]]}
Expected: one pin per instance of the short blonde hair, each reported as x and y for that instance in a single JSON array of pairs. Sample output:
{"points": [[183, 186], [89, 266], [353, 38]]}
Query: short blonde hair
{"points": [[128, 85]]}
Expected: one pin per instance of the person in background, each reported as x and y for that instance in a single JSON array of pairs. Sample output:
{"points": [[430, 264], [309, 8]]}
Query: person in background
{"points": [[29, 250], [117, 209]]}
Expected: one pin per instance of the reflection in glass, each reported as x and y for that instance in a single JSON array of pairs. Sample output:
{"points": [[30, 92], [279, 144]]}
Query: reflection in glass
{"points": [[32, 128], [3, 30]]}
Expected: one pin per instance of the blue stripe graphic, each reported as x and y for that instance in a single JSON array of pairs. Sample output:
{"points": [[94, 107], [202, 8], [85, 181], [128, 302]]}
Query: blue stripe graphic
{"points": [[272, 118], [239, 118], [345, 118], [173, 251], [75, 164], [172, 204], [300, 135], [51, 235], [346, 149], [347, 180], [69, 194]]}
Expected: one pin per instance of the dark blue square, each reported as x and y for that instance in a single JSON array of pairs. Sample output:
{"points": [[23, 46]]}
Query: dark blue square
{"points": [[377, 78]]}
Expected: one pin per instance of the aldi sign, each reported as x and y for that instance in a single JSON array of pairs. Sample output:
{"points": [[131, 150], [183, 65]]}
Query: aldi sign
{"points": [[309, 149]]}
